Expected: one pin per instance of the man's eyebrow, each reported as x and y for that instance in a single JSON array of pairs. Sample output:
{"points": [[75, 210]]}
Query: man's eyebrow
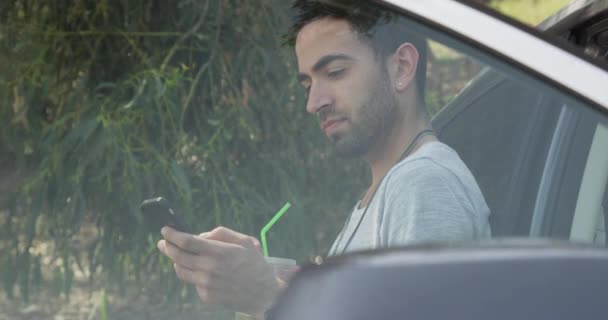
{"points": [[323, 62]]}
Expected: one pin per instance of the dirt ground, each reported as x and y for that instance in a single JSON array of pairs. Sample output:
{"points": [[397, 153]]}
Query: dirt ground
{"points": [[86, 303]]}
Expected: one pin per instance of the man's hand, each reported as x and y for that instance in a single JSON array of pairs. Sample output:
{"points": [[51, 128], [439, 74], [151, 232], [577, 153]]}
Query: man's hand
{"points": [[226, 267]]}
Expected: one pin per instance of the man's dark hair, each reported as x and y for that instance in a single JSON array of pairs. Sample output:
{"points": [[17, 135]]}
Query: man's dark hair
{"points": [[377, 26]]}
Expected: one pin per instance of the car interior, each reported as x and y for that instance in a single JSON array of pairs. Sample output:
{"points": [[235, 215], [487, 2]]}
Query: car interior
{"points": [[513, 139], [589, 220]]}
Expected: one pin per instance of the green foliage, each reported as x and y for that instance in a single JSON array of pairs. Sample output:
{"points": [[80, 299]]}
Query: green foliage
{"points": [[104, 306], [106, 105], [531, 12]]}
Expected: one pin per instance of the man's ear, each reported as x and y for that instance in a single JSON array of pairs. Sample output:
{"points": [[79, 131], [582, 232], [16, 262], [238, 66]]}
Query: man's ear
{"points": [[404, 65]]}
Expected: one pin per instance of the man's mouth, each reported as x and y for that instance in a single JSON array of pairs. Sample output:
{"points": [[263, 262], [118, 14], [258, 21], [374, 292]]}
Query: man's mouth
{"points": [[331, 125]]}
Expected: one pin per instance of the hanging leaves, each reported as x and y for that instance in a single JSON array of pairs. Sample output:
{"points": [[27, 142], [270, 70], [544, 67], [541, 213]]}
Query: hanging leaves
{"points": [[107, 103]]}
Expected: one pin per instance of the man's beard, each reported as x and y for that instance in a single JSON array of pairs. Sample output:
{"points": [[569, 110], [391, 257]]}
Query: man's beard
{"points": [[373, 119]]}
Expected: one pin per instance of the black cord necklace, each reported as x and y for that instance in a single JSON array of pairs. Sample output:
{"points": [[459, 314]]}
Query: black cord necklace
{"points": [[405, 153]]}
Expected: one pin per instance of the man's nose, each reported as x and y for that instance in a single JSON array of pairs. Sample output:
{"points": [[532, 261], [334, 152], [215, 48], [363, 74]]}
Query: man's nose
{"points": [[319, 97]]}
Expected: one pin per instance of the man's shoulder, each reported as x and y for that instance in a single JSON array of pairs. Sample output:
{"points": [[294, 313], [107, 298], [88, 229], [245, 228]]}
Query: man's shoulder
{"points": [[434, 165], [434, 158]]}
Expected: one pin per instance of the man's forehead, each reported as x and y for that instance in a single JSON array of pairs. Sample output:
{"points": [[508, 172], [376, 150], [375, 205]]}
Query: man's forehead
{"points": [[322, 37]]}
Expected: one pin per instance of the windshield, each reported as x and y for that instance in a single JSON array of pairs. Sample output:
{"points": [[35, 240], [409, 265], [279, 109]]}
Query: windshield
{"points": [[278, 134]]}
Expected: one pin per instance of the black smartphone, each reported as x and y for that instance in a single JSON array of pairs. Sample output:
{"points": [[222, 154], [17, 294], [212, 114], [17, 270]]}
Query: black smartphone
{"points": [[158, 213]]}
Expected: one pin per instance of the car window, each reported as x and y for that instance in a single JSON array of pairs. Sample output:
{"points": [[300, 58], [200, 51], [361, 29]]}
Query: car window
{"points": [[314, 135]]}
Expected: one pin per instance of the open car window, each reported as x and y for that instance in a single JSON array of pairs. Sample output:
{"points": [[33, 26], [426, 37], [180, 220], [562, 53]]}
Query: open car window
{"points": [[209, 105]]}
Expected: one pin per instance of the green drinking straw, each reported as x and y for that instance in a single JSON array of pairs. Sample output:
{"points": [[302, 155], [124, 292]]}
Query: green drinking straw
{"points": [[270, 224]]}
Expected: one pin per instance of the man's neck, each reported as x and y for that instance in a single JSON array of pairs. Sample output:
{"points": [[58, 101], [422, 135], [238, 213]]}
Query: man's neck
{"points": [[387, 152]]}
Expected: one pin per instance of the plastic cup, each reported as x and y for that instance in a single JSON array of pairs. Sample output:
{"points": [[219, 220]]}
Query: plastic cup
{"points": [[282, 269]]}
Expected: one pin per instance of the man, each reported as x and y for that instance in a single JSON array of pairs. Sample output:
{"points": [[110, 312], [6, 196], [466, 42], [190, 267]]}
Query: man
{"points": [[364, 74]]}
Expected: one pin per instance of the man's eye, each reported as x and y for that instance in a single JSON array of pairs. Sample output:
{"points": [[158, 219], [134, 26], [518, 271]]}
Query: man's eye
{"points": [[306, 88], [305, 85], [335, 73]]}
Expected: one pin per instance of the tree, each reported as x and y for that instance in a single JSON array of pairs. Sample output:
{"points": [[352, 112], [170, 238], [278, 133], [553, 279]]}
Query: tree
{"points": [[106, 105]]}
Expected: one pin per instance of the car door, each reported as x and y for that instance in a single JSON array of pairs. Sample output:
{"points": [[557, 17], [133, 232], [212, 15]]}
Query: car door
{"points": [[529, 148]]}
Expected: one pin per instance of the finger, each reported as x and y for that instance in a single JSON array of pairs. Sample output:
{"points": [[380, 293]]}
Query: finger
{"points": [[161, 246], [192, 243], [258, 246], [187, 259], [227, 235], [196, 277]]}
